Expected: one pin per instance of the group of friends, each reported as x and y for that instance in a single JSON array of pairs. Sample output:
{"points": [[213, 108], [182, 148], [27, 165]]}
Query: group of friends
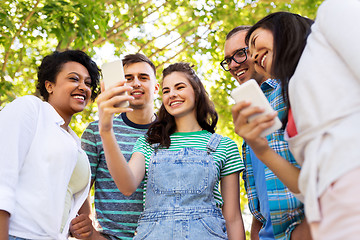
{"points": [[167, 174]]}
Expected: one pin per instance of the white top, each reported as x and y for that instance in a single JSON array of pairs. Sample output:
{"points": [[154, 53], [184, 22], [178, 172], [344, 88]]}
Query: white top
{"points": [[78, 181], [37, 160], [325, 98]]}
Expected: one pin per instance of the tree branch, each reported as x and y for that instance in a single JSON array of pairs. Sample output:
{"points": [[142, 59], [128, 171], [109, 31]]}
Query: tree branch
{"points": [[197, 38], [182, 50], [166, 33], [110, 33], [181, 37], [8, 51]]}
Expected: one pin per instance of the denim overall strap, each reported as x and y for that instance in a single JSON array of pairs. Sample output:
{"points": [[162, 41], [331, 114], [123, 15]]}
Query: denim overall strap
{"points": [[213, 142], [155, 146]]}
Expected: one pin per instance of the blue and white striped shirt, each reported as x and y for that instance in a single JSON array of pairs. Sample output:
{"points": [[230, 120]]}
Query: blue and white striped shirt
{"points": [[117, 214]]}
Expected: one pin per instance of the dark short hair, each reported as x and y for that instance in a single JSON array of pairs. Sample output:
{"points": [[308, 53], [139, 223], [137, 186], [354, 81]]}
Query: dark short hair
{"points": [[206, 115], [136, 58], [290, 32], [236, 30], [52, 64]]}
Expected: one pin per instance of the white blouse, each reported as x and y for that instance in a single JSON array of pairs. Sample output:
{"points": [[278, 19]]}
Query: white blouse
{"points": [[325, 99], [37, 160]]}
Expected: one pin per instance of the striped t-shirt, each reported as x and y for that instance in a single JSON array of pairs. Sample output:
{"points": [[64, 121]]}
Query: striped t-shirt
{"points": [[226, 156], [116, 213]]}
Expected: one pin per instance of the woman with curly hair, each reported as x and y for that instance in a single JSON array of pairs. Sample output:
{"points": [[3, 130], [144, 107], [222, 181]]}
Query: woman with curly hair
{"points": [[45, 174]]}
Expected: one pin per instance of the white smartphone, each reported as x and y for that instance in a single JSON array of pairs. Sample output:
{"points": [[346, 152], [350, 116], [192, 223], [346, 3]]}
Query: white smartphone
{"points": [[113, 72], [251, 92]]}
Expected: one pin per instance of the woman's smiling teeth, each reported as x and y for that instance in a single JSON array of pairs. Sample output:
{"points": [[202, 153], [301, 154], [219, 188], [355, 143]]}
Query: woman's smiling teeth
{"points": [[175, 102], [263, 60], [79, 97]]}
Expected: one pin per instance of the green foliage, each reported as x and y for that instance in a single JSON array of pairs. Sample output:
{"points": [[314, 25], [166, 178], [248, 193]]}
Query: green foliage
{"points": [[165, 30]]}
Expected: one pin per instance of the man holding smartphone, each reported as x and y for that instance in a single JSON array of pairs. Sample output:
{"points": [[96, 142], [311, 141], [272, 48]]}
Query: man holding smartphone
{"points": [[277, 214], [116, 214]]}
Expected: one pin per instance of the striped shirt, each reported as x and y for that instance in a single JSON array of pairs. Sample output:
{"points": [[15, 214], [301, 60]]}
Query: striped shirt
{"points": [[285, 210], [116, 214], [227, 157]]}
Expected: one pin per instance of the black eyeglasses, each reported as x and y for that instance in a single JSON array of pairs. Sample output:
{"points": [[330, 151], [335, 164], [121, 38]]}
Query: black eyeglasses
{"points": [[239, 57]]}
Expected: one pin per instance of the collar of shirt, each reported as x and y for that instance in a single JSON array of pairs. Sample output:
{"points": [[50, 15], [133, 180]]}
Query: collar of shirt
{"points": [[270, 83]]}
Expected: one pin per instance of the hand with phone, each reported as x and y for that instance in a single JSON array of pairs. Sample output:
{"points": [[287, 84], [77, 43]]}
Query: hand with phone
{"points": [[114, 98], [113, 73], [253, 116], [251, 92]]}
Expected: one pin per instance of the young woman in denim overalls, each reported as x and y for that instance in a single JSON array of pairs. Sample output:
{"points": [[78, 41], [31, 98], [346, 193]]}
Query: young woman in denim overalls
{"points": [[181, 160]]}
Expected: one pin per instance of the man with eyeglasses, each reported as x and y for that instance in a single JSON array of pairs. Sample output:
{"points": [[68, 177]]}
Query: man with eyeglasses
{"points": [[277, 214], [236, 60]]}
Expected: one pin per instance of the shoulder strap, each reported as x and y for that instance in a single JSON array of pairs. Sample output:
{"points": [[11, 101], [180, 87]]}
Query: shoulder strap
{"points": [[213, 142], [155, 146]]}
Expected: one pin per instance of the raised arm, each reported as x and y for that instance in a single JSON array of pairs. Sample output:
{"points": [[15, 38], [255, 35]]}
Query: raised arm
{"points": [[250, 132], [126, 176]]}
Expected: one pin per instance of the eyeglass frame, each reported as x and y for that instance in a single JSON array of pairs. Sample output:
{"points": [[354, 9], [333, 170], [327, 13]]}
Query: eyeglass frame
{"points": [[233, 59]]}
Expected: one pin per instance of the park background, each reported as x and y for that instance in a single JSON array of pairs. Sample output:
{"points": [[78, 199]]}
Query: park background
{"points": [[167, 31]]}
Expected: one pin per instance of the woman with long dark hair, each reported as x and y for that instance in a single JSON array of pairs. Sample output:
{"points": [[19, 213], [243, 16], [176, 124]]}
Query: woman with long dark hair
{"points": [[182, 160], [276, 43], [285, 36], [322, 128]]}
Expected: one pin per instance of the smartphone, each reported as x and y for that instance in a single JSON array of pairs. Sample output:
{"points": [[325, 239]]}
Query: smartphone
{"points": [[250, 91], [113, 72]]}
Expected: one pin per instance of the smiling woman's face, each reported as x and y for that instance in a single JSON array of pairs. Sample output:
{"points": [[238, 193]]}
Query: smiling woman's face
{"points": [[261, 50], [178, 95], [71, 91]]}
